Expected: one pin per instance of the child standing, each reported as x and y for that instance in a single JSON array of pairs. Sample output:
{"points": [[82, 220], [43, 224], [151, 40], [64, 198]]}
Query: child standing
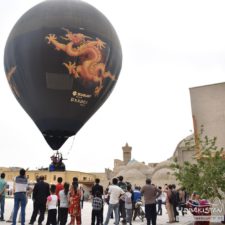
{"points": [[97, 204], [64, 204], [128, 205], [52, 201]]}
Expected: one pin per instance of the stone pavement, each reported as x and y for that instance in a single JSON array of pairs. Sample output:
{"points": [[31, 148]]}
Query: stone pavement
{"points": [[86, 215]]}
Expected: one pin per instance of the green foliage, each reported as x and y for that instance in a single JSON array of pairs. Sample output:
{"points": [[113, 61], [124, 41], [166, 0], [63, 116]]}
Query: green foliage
{"points": [[207, 174]]}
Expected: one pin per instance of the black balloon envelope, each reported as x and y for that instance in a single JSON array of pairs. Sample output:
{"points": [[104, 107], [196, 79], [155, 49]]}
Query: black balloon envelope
{"points": [[62, 60]]}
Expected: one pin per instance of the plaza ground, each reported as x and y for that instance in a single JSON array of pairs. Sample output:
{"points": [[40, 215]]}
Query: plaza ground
{"points": [[86, 215]]}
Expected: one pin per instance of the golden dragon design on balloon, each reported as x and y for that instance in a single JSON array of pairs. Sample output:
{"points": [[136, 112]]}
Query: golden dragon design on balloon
{"points": [[90, 67], [12, 84]]}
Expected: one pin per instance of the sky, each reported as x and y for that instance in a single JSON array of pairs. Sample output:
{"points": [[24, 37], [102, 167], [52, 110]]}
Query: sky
{"points": [[168, 47]]}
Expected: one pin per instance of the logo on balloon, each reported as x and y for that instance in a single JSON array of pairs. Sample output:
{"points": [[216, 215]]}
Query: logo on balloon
{"points": [[80, 98], [87, 58]]}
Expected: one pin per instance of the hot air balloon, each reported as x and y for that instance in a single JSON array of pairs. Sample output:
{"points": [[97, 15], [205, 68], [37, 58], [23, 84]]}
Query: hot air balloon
{"points": [[62, 60]]}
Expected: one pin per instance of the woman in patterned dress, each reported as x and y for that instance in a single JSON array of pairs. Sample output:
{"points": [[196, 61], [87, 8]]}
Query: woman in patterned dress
{"points": [[74, 203]]}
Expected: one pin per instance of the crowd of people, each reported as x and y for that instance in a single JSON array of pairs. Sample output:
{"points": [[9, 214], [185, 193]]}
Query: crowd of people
{"points": [[59, 200], [64, 201]]}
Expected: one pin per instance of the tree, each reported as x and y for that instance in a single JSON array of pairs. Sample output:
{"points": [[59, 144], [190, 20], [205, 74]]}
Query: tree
{"points": [[207, 174]]}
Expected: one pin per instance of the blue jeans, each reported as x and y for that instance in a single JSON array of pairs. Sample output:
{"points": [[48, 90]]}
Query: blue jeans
{"points": [[2, 203], [112, 207], [19, 200]]}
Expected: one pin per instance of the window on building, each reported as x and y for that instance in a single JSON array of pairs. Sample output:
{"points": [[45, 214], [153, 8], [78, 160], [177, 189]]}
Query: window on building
{"points": [[54, 177], [27, 176], [45, 177], [84, 178]]}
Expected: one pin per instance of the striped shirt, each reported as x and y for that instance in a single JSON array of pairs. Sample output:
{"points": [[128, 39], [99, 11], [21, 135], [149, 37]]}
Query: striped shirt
{"points": [[21, 184]]}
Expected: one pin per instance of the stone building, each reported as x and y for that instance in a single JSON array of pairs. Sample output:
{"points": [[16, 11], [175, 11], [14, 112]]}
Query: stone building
{"points": [[208, 107], [161, 173], [126, 153]]}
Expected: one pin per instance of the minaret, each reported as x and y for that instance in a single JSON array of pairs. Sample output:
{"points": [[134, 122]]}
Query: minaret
{"points": [[126, 153]]}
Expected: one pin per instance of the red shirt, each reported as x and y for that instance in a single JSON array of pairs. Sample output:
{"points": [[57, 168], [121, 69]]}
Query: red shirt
{"points": [[59, 187]]}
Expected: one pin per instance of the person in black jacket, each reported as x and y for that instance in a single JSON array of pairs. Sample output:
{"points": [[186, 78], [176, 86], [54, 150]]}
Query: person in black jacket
{"points": [[98, 189], [40, 193], [174, 202], [122, 210]]}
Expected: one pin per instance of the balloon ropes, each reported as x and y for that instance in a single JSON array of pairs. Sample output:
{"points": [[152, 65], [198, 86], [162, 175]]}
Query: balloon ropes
{"points": [[62, 60]]}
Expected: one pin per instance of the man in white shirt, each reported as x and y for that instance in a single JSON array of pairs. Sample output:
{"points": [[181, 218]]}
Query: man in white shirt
{"points": [[114, 192], [20, 187]]}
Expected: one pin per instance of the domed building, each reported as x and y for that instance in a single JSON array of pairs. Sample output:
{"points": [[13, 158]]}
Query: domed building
{"points": [[132, 175], [185, 150], [161, 173]]}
